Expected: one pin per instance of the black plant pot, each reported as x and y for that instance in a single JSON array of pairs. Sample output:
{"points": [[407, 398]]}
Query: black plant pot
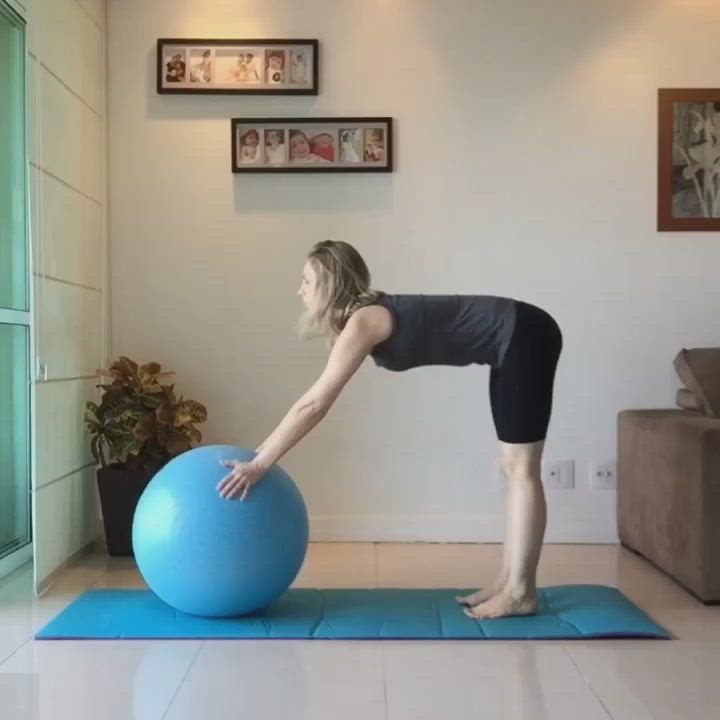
{"points": [[120, 490]]}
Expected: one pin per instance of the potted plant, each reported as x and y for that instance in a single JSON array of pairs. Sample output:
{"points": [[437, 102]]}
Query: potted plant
{"points": [[138, 426]]}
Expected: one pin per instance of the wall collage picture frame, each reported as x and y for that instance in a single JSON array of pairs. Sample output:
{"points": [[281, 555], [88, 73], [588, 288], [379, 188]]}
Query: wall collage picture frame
{"points": [[285, 66]]}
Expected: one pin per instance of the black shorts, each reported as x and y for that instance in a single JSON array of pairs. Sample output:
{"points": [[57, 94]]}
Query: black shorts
{"points": [[521, 388]]}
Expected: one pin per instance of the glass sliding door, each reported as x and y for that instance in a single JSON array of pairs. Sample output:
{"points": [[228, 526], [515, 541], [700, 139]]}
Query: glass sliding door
{"points": [[14, 438], [15, 530]]}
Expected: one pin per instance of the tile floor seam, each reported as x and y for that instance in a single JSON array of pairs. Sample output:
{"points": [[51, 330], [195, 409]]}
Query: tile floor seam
{"points": [[18, 648], [384, 681], [587, 682], [182, 680]]}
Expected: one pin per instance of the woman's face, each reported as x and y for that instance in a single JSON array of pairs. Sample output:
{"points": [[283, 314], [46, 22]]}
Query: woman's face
{"points": [[309, 291]]}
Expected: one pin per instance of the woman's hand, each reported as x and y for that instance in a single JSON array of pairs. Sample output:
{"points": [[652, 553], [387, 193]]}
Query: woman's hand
{"points": [[243, 476], [362, 332]]}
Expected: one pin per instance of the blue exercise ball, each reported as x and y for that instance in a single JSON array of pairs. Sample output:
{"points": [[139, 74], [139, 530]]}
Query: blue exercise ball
{"points": [[210, 556]]}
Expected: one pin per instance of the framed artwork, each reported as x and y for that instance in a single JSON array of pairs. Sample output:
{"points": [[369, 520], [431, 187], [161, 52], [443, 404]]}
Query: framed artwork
{"points": [[237, 67], [689, 159], [340, 144]]}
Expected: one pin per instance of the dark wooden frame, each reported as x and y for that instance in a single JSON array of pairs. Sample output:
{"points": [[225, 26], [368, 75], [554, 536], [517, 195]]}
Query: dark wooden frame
{"points": [[230, 42], [330, 168], [666, 98]]}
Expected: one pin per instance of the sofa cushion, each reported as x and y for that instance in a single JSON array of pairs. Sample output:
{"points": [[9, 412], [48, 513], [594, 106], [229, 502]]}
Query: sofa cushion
{"points": [[699, 369]]}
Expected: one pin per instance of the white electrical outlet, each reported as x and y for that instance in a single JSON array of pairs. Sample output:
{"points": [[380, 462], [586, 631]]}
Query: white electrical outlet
{"points": [[41, 370], [603, 476], [558, 474]]}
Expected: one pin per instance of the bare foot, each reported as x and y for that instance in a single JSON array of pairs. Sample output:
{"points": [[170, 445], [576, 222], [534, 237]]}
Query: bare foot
{"points": [[483, 595], [505, 604]]}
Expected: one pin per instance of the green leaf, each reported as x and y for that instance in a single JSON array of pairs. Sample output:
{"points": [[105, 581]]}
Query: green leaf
{"points": [[177, 443], [148, 373], [144, 429], [196, 411], [136, 417], [91, 409], [153, 402], [164, 414]]}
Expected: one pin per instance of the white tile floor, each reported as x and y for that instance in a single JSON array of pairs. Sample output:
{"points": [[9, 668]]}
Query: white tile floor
{"points": [[409, 680]]}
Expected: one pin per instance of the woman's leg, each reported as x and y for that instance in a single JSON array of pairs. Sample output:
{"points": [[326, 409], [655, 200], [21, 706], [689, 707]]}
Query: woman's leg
{"points": [[495, 389], [527, 512], [521, 394], [494, 587], [526, 520]]}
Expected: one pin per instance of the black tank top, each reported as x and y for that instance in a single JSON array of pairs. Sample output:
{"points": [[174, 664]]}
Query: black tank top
{"points": [[445, 330]]}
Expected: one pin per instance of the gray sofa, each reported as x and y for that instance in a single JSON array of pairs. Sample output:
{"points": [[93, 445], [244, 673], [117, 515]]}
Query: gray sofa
{"points": [[669, 478]]}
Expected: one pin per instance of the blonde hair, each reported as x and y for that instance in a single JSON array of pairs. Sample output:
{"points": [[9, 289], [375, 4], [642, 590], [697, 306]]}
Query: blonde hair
{"points": [[343, 285]]}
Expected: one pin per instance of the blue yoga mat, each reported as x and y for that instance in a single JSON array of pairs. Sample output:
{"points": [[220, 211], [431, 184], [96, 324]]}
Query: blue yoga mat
{"points": [[566, 612]]}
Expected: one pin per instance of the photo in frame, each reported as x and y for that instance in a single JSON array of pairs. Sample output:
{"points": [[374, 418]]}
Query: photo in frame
{"points": [[237, 67], [688, 159], [341, 144]]}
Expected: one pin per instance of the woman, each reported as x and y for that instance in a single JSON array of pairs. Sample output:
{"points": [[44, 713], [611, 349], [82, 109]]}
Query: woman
{"points": [[520, 342]]}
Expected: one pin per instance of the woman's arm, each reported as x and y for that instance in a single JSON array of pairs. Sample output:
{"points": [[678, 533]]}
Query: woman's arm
{"points": [[355, 342], [353, 345]]}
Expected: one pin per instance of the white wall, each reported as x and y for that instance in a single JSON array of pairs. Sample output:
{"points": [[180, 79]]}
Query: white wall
{"points": [[19, 6], [526, 166], [67, 137]]}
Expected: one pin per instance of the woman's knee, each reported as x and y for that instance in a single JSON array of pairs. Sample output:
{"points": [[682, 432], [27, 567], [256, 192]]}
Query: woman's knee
{"points": [[521, 462]]}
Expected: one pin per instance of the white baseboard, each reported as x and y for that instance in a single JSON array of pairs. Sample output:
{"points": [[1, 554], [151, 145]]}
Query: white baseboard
{"points": [[451, 528], [16, 560], [572, 518], [43, 584]]}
